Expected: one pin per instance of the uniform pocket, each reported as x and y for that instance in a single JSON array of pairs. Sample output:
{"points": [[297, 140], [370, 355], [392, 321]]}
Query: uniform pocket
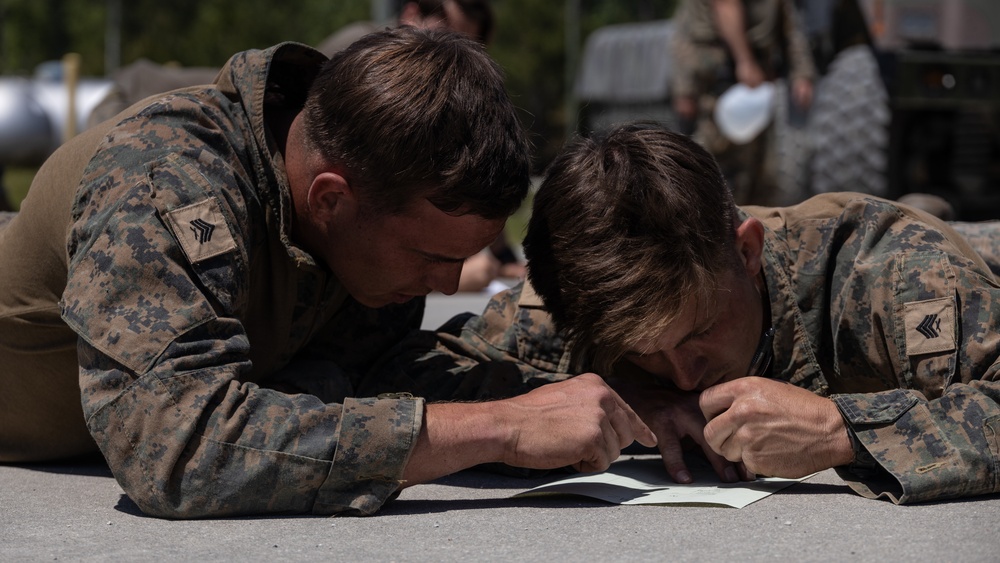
{"points": [[926, 310]]}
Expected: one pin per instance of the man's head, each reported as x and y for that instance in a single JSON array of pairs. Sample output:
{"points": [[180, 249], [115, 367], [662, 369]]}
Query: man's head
{"points": [[632, 237], [471, 17], [413, 114], [416, 159]]}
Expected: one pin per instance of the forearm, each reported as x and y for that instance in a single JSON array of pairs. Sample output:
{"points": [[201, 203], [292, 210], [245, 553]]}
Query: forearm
{"points": [[200, 444], [456, 436], [730, 21]]}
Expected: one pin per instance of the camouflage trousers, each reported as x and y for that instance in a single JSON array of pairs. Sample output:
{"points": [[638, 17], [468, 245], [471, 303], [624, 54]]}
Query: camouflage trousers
{"points": [[749, 168]]}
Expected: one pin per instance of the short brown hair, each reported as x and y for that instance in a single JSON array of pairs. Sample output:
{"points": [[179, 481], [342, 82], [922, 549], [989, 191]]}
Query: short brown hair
{"points": [[415, 113], [626, 228]]}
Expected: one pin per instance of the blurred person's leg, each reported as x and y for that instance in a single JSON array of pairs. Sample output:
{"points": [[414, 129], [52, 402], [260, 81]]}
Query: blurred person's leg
{"points": [[5, 204], [935, 205], [984, 237]]}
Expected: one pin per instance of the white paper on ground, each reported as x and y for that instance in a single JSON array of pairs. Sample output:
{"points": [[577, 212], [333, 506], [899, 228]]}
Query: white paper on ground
{"points": [[643, 480]]}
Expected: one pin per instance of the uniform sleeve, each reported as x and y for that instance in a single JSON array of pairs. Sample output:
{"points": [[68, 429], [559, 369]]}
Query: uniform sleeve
{"points": [[157, 276], [936, 435], [510, 349]]}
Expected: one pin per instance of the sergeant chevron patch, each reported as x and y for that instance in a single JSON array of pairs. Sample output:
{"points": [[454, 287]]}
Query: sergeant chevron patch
{"points": [[202, 230], [930, 326]]}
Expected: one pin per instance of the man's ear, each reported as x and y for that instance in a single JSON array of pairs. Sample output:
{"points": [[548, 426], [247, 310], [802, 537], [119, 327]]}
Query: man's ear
{"points": [[329, 194], [750, 244]]}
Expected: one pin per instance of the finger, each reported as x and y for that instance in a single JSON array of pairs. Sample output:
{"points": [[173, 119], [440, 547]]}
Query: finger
{"points": [[638, 430], [723, 467], [609, 449], [716, 400], [673, 459], [599, 451], [719, 436], [745, 472]]}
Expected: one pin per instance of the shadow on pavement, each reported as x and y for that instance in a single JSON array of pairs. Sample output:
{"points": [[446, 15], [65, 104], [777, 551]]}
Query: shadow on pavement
{"points": [[91, 465]]}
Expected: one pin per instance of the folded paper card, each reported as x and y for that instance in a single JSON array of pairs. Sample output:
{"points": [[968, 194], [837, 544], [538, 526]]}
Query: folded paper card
{"points": [[643, 480]]}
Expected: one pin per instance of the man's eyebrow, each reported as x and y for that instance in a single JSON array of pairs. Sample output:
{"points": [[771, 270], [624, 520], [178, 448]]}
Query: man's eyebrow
{"points": [[696, 330]]}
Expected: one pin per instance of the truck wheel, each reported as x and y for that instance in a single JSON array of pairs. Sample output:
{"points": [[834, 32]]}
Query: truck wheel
{"points": [[849, 126]]}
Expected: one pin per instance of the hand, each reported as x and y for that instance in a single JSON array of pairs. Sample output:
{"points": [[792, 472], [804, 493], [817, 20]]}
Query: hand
{"points": [[775, 428], [675, 416], [802, 92], [749, 73], [580, 422], [685, 107]]}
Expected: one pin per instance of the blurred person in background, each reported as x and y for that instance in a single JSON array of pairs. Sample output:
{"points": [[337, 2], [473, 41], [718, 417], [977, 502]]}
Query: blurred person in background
{"points": [[471, 17], [719, 43]]}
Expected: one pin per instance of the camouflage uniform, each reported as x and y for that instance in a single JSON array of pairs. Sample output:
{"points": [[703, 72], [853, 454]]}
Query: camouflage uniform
{"points": [[704, 69], [882, 308], [217, 360]]}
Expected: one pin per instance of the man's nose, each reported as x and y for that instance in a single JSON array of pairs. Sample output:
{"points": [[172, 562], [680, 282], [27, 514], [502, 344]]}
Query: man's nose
{"points": [[687, 368], [444, 277]]}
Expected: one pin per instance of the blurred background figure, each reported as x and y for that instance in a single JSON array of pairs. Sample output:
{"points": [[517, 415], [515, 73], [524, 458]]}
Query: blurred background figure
{"points": [[4, 204], [145, 78], [471, 17], [906, 99], [719, 43]]}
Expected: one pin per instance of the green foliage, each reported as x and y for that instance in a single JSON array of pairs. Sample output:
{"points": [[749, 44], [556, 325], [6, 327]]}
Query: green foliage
{"points": [[207, 32], [188, 32], [14, 184]]}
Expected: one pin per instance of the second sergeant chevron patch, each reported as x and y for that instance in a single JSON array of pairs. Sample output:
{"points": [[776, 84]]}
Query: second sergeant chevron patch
{"points": [[202, 230], [930, 326]]}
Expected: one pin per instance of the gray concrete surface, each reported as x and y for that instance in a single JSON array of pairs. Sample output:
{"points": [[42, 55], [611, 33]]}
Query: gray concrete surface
{"points": [[441, 307], [77, 512]]}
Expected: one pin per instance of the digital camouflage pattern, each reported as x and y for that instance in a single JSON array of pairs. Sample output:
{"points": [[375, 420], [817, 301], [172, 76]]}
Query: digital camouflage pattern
{"points": [[216, 358], [882, 308], [893, 315], [510, 349]]}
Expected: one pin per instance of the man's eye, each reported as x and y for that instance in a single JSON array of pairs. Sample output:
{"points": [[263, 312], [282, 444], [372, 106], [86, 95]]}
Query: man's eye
{"points": [[706, 332]]}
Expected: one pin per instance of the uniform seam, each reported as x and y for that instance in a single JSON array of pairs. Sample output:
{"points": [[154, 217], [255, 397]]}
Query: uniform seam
{"points": [[20, 312]]}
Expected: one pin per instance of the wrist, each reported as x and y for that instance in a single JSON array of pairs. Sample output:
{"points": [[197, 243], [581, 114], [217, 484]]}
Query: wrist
{"points": [[455, 436], [506, 436], [861, 459]]}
